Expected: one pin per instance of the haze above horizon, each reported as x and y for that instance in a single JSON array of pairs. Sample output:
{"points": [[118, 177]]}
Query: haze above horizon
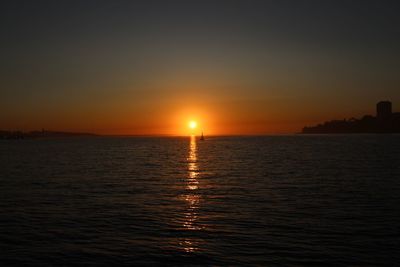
{"points": [[239, 67]]}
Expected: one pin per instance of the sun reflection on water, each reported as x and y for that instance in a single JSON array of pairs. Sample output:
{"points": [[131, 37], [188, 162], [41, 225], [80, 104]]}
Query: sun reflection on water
{"points": [[192, 165], [192, 198]]}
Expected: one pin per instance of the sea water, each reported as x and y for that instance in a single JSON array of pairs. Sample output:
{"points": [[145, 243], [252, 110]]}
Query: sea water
{"points": [[299, 200]]}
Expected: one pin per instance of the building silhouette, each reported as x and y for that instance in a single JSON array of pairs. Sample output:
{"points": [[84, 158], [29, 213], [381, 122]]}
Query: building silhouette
{"points": [[385, 122], [383, 110]]}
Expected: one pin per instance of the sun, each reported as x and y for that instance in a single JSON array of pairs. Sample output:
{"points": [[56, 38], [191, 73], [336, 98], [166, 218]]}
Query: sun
{"points": [[192, 124]]}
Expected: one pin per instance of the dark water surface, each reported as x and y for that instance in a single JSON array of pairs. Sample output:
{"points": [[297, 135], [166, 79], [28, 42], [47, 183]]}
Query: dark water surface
{"points": [[266, 201]]}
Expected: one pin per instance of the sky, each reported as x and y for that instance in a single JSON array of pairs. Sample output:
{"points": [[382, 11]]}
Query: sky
{"points": [[236, 67]]}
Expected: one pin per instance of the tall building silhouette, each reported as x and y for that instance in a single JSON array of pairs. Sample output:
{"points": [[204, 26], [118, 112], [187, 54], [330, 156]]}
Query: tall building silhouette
{"points": [[384, 110], [385, 122]]}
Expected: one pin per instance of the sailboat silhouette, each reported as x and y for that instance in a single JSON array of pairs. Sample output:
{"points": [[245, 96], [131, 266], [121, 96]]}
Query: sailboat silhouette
{"points": [[202, 136]]}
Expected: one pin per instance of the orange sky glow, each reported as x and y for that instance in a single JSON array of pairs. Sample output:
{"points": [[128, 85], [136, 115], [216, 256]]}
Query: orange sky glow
{"points": [[131, 68]]}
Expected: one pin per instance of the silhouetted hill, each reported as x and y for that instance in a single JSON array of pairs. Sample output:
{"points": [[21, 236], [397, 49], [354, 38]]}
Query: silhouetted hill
{"points": [[384, 122]]}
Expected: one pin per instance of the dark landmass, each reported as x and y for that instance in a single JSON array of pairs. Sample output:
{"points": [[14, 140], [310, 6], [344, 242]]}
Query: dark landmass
{"points": [[384, 122], [41, 134]]}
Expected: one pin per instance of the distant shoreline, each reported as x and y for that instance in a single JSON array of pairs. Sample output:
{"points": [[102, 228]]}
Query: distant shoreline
{"points": [[12, 135], [385, 121], [60, 135]]}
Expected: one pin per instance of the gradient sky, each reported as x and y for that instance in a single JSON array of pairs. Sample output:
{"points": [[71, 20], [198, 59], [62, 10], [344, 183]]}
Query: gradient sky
{"points": [[237, 67]]}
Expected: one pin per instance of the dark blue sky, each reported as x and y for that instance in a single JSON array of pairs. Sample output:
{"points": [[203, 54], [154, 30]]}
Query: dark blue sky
{"points": [[280, 63]]}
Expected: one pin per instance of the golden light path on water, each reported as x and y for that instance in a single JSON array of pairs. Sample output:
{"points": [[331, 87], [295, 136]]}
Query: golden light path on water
{"points": [[192, 197], [192, 165]]}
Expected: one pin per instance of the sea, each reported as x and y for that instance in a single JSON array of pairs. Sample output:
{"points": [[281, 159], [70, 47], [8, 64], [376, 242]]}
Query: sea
{"points": [[288, 200]]}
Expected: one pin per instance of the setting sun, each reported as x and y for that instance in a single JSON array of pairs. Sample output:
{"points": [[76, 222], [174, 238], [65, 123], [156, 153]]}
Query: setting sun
{"points": [[192, 124]]}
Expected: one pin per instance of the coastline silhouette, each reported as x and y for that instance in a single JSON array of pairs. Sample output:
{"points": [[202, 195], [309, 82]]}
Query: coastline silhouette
{"points": [[40, 134], [385, 121]]}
